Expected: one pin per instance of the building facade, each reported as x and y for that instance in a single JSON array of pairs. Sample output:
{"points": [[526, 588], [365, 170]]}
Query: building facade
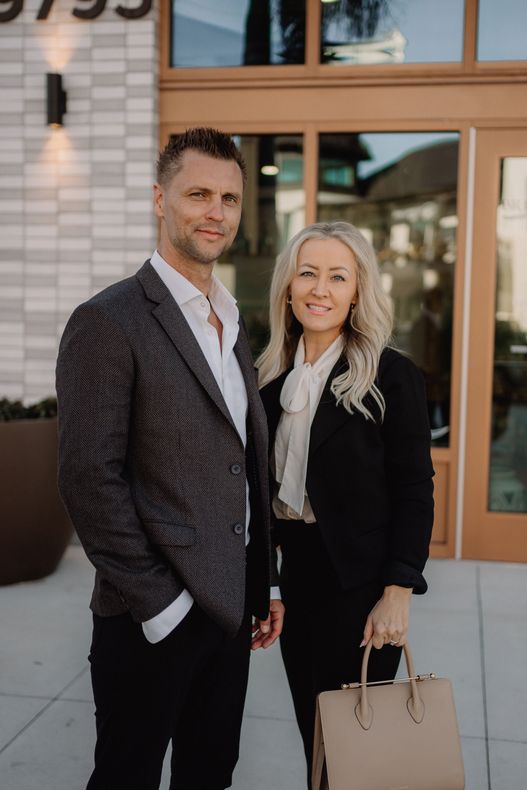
{"points": [[406, 117], [75, 205]]}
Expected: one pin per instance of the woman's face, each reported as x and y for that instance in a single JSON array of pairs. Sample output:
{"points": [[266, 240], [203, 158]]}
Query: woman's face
{"points": [[324, 288]]}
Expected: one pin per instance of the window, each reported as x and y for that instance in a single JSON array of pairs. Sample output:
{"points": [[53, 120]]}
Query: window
{"points": [[237, 32], [363, 32], [273, 211], [508, 448], [502, 30], [400, 190]]}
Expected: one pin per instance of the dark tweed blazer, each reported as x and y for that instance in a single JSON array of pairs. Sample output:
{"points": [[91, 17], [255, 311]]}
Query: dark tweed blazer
{"points": [[151, 468]]}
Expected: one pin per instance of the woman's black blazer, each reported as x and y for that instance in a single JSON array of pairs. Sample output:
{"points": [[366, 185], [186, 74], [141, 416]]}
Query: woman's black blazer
{"points": [[370, 482]]}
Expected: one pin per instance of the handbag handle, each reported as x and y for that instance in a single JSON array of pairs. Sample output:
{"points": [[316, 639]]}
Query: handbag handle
{"points": [[363, 709]]}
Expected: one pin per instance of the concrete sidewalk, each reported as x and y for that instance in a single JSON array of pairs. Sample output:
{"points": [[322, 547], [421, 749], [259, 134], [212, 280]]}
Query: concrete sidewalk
{"points": [[470, 627]]}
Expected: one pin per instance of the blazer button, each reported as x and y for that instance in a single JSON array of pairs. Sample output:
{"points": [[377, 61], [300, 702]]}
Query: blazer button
{"points": [[236, 469], [238, 529]]}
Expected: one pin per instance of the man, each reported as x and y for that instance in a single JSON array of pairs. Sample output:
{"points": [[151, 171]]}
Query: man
{"points": [[163, 462]]}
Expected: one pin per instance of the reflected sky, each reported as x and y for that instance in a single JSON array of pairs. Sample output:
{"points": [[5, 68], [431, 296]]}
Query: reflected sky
{"points": [[206, 33], [387, 148], [502, 30], [228, 15]]}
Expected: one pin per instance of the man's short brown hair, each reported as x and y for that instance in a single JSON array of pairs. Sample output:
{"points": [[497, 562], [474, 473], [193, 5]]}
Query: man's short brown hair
{"points": [[205, 140]]}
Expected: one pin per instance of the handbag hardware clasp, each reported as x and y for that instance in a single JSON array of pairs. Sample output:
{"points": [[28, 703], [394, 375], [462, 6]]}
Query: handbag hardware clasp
{"points": [[429, 676]]}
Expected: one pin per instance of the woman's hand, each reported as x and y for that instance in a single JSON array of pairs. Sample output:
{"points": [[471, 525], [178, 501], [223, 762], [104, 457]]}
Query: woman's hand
{"points": [[265, 632], [387, 622]]}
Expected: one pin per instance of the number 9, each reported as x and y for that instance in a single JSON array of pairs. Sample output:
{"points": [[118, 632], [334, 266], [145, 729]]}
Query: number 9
{"points": [[13, 11], [90, 13]]}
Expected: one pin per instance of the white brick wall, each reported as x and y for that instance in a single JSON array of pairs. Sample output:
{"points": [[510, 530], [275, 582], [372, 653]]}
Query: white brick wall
{"points": [[75, 209]]}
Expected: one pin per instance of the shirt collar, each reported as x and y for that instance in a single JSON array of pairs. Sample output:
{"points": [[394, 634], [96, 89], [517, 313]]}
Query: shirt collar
{"points": [[184, 291], [223, 302], [181, 289]]}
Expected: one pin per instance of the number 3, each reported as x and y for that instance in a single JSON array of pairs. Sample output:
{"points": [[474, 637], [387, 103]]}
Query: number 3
{"points": [[90, 13], [135, 13]]}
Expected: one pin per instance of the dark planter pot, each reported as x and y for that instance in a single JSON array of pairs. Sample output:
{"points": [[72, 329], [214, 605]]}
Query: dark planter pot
{"points": [[34, 527]]}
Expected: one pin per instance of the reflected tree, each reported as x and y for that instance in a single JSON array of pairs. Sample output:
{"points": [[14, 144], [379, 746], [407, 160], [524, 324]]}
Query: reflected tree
{"points": [[289, 16], [350, 21], [258, 34], [358, 18]]}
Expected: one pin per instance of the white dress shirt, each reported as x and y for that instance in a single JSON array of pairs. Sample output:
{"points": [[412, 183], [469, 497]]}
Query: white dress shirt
{"points": [[224, 365]]}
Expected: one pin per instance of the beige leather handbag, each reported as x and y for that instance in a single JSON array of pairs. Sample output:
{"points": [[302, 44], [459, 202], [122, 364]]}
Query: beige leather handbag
{"points": [[397, 735]]}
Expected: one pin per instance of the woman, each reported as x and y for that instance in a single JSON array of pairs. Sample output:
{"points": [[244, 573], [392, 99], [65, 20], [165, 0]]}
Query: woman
{"points": [[350, 457]]}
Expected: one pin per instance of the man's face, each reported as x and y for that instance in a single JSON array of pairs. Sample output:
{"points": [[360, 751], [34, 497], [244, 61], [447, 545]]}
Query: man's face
{"points": [[200, 209]]}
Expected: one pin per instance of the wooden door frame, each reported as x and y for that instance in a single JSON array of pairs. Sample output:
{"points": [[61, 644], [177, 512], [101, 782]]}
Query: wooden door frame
{"points": [[312, 98], [479, 539], [445, 458]]}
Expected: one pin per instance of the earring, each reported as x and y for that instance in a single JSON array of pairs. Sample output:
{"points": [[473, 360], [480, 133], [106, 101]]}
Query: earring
{"points": [[289, 300]]}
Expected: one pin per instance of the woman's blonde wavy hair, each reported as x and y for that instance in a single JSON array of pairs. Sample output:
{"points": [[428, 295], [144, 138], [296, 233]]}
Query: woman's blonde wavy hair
{"points": [[366, 334]]}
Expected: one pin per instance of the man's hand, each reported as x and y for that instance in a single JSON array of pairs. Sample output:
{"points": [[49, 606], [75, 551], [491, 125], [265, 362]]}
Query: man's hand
{"points": [[387, 623], [265, 632]]}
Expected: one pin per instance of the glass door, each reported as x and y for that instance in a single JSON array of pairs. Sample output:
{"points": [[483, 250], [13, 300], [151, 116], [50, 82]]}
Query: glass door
{"points": [[401, 189], [495, 524]]}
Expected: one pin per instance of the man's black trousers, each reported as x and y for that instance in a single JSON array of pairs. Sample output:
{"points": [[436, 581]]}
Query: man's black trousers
{"points": [[189, 688]]}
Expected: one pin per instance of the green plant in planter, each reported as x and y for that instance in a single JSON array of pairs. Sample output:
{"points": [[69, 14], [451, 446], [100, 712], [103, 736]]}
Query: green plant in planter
{"points": [[34, 527], [15, 410]]}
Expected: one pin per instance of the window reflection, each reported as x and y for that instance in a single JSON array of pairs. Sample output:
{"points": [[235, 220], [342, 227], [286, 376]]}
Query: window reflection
{"points": [[400, 190], [391, 31], [502, 30], [508, 455], [206, 33], [273, 211]]}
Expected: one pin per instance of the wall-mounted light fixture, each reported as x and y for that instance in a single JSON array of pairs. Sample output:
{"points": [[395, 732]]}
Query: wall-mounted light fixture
{"points": [[56, 100]]}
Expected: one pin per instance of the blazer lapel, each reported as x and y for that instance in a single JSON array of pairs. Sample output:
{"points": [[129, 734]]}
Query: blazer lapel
{"points": [[270, 395], [169, 315], [245, 361], [328, 417], [256, 411]]}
